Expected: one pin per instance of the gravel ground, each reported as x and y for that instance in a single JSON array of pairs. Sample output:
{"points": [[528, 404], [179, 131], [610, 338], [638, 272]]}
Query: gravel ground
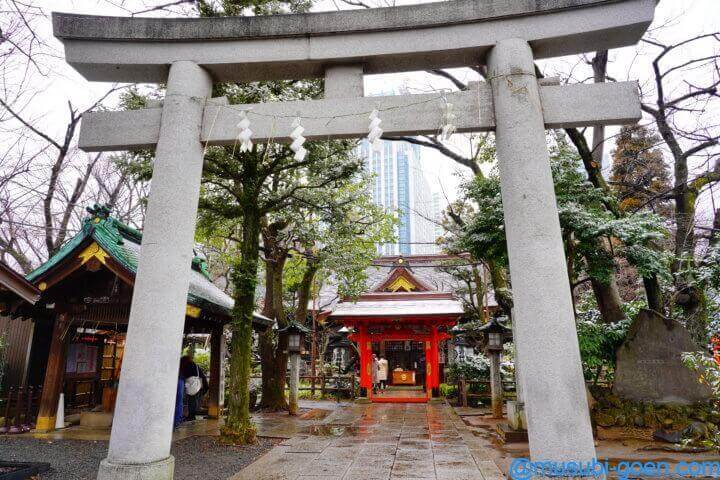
{"points": [[195, 457]]}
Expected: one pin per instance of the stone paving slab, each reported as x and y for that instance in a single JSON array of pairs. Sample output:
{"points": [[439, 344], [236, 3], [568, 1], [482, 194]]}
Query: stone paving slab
{"points": [[380, 442]]}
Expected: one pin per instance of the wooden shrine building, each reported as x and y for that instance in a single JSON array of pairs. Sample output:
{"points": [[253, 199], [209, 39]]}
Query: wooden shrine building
{"points": [[16, 296], [404, 320], [81, 318]]}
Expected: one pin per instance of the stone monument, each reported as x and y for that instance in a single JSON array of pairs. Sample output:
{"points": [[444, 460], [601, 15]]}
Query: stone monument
{"points": [[649, 365]]}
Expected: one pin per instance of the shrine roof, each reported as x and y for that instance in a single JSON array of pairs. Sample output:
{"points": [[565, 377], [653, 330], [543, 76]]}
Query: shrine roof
{"points": [[394, 308], [428, 269], [402, 291], [11, 281], [122, 243]]}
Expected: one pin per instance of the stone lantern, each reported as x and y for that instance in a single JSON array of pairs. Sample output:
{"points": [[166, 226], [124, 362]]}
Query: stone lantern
{"points": [[341, 346], [495, 333], [296, 338]]}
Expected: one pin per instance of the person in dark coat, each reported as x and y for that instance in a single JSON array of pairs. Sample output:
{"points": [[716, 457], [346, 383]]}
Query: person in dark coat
{"points": [[179, 392], [188, 369]]}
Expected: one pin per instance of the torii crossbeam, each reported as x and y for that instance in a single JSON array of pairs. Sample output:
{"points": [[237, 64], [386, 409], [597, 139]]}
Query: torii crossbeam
{"points": [[563, 106], [190, 54]]}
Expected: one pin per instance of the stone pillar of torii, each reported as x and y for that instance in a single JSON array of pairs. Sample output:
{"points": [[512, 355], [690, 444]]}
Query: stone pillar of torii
{"points": [[190, 54]]}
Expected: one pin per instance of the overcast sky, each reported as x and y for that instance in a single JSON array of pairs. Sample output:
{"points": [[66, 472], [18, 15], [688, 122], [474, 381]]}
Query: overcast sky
{"points": [[683, 17]]}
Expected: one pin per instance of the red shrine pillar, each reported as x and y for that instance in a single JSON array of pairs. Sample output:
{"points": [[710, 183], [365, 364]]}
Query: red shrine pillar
{"points": [[428, 366], [432, 361], [365, 348]]}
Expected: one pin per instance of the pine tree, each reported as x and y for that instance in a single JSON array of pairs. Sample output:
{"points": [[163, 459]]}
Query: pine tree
{"points": [[640, 176]]}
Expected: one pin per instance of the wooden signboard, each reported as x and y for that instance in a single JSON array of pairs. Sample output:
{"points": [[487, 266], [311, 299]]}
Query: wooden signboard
{"points": [[403, 377]]}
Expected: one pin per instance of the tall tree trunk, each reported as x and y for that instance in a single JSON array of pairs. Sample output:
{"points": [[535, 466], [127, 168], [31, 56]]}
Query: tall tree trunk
{"points": [[607, 293], [304, 294], [608, 300], [273, 347], [238, 428], [479, 293], [501, 288], [690, 294], [654, 295], [305, 290]]}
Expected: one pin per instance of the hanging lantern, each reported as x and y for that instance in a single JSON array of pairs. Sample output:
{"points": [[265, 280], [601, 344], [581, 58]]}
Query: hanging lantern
{"points": [[298, 140], [375, 132], [245, 132]]}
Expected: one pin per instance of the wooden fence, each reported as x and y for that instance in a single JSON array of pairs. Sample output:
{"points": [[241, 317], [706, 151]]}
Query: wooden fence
{"points": [[328, 384], [464, 387], [335, 384]]}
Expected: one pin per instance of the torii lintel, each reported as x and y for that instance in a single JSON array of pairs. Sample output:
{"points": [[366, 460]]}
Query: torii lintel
{"points": [[384, 40]]}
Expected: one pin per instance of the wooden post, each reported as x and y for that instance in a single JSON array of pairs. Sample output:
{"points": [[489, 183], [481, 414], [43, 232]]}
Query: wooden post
{"points": [[6, 427], [17, 426], [54, 374], [27, 423], [217, 340]]}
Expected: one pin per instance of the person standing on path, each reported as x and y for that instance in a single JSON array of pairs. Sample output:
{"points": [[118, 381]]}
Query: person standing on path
{"points": [[382, 373], [374, 373], [196, 384], [179, 391]]}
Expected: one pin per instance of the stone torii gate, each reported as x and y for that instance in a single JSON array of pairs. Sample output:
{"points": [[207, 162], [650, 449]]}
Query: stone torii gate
{"points": [[190, 54]]}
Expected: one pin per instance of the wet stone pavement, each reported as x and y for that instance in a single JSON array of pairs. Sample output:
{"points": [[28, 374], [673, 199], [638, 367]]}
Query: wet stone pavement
{"points": [[380, 442]]}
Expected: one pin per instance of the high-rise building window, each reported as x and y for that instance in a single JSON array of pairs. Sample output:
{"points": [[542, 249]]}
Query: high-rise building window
{"points": [[403, 194], [400, 187], [377, 170]]}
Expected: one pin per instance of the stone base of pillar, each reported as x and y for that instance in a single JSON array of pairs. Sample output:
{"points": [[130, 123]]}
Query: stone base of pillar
{"points": [[161, 470]]}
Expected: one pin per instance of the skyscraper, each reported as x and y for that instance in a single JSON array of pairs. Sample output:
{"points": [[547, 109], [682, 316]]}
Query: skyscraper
{"points": [[400, 186], [437, 214]]}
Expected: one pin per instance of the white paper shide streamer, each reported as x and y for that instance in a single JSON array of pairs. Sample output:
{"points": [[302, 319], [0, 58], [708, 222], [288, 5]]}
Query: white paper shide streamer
{"points": [[245, 132], [375, 132], [298, 140], [448, 127]]}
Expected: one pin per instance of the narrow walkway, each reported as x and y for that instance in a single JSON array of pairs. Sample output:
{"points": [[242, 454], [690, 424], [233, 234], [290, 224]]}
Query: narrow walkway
{"points": [[380, 442]]}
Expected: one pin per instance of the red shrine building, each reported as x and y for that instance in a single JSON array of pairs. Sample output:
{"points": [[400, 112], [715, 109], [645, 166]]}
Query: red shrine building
{"points": [[404, 320]]}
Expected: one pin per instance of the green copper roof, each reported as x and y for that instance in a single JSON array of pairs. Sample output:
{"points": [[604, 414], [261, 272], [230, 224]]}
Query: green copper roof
{"points": [[122, 243]]}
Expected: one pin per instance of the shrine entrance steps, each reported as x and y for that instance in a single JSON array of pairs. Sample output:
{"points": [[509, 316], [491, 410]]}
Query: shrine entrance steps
{"points": [[401, 394]]}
